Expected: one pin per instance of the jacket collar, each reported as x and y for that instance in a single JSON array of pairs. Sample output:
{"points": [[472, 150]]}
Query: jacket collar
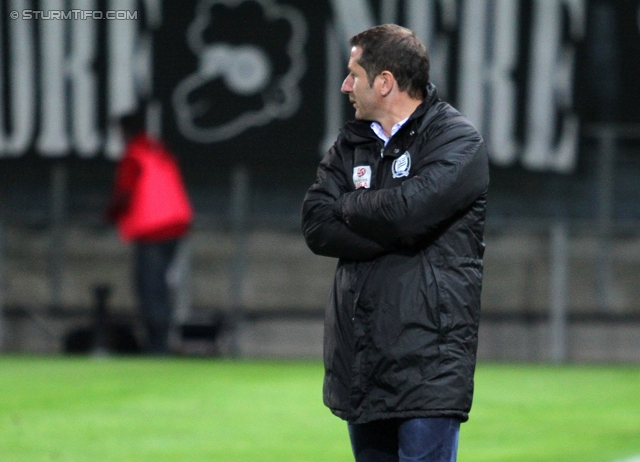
{"points": [[359, 131]]}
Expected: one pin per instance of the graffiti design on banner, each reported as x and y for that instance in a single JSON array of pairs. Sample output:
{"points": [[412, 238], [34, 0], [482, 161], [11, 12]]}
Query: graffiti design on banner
{"points": [[251, 61]]}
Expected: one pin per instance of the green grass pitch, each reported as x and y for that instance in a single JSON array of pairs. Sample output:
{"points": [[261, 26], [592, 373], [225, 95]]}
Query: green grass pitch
{"points": [[156, 410]]}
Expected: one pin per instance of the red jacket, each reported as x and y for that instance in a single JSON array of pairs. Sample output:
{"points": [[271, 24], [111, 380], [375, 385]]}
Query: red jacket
{"points": [[150, 202]]}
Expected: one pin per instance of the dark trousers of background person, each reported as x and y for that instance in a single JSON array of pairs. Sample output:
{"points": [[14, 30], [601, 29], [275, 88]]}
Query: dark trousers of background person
{"points": [[152, 260], [406, 440]]}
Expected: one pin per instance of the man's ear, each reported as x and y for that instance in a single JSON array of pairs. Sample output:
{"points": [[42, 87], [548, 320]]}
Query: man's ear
{"points": [[387, 81]]}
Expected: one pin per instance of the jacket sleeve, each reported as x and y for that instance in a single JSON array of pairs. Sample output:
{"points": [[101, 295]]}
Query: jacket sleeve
{"points": [[452, 173], [325, 233]]}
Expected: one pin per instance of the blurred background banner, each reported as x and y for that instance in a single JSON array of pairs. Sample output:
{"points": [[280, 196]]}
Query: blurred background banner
{"points": [[257, 81], [250, 90]]}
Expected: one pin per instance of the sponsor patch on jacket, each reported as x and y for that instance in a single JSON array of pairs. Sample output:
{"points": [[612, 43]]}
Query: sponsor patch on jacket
{"points": [[362, 176], [401, 165]]}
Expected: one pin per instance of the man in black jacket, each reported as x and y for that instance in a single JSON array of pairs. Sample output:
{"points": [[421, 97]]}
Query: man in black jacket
{"points": [[400, 199]]}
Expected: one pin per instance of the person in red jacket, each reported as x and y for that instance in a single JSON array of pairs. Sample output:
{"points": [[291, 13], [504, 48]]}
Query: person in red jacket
{"points": [[151, 209]]}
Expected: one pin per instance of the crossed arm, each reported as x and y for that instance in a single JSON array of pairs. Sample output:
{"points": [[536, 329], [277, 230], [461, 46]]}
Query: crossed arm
{"points": [[364, 224]]}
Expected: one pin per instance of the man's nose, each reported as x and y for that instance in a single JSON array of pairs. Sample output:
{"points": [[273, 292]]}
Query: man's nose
{"points": [[347, 85]]}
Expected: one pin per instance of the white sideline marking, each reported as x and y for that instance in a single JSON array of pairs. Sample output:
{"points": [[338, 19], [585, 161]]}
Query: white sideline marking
{"points": [[630, 459]]}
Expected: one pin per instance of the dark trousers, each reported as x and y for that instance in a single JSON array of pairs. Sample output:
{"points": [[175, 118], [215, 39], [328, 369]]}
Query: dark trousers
{"points": [[406, 440], [152, 259]]}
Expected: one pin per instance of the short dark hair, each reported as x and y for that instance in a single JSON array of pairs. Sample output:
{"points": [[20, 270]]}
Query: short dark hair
{"points": [[396, 49]]}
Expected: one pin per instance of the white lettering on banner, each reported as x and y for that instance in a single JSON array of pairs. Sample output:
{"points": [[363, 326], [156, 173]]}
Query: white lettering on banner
{"points": [[20, 106], [130, 67], [53, 139], [354, 16], [351, 17], [62, 92], [389, 11], [83, 78], [421, 18], [488, 59], [69, 99], [488, 56], [333, 99], [550, 87], [68, 73]]}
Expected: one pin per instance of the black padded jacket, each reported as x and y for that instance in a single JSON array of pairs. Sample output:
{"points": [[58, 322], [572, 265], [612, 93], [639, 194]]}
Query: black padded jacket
{"points": [[401, 325]]}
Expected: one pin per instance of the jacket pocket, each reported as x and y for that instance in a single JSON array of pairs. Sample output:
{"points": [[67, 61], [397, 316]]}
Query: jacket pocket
{"points": [[436, 296], [459, 285]]}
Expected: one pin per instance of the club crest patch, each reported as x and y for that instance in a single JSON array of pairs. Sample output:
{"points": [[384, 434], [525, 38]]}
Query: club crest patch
{"points": [[362, 176], [401, 165]]}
